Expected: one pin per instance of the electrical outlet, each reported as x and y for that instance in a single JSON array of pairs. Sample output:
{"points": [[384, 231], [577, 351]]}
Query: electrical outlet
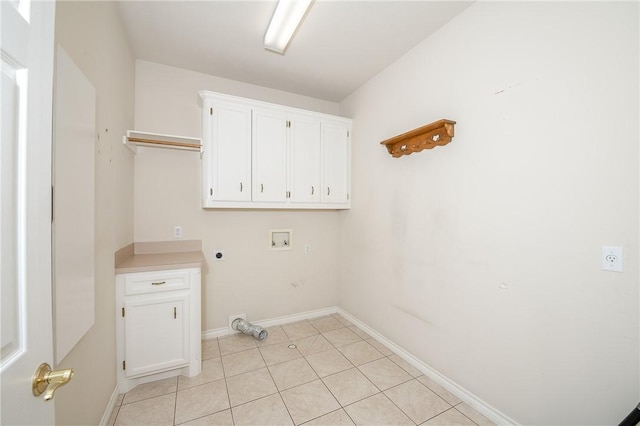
{"points": [[612, 258], [177, 232], [218, 255]]}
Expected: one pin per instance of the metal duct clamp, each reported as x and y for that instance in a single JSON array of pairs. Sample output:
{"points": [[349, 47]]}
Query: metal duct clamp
{"points": [[246, 327]]}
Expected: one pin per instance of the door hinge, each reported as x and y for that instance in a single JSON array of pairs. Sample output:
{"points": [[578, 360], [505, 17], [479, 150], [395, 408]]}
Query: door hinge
{"points": [[124, 365], [211, 111], [123, 312]]}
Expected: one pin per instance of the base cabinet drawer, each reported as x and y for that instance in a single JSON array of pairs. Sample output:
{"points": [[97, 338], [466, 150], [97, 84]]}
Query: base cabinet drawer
{"points": [[154, 282]]}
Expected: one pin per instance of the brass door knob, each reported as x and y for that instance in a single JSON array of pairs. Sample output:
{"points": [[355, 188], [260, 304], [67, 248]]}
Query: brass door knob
{"points": [[47, 381]]}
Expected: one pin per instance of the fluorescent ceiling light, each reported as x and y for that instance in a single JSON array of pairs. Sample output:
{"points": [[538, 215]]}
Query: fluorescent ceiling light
{"points": [[284, 22]]}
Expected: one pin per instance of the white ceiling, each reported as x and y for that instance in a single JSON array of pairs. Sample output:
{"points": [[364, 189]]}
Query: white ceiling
{"points": [[338, 47]]}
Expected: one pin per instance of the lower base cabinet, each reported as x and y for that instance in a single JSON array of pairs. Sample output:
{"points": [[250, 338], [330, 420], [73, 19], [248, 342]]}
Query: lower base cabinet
{"points": [[157, 325]]}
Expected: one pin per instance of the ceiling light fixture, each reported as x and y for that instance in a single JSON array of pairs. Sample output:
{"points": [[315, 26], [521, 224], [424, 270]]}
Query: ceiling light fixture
{"points": [[284, 22]]}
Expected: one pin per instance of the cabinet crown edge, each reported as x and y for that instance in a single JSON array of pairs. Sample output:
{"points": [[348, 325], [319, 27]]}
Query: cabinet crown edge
{"points": [[207, 95]]}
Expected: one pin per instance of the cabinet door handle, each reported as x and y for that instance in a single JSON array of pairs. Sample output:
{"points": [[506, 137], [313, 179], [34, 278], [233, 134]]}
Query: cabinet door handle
{"points": [[328, 190], [240, 186], [312, 190], [174, 313], [261, 188], [159, 283]]}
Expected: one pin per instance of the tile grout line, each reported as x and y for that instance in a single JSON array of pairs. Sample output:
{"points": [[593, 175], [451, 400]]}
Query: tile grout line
{"points": [[202, 384], [391, 387], [274, 382], [175, 402], [320, 333], [326, 414], [407, 414], [356, 367], [454, 407], [115, 419], [361, 399], [349, 415], [303, 357], [344, 326], [394, 386], [401, 410], [226, 386], [342, 407]]}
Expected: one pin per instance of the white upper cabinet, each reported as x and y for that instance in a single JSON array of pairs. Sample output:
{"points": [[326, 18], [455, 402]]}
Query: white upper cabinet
{"points": [[304, 152], [269, 155], [335, 162], [261, 155], [227, 130]]}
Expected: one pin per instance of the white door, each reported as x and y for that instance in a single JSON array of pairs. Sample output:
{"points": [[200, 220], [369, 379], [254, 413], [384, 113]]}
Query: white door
{"points": [[269, 155], [25, 213]]}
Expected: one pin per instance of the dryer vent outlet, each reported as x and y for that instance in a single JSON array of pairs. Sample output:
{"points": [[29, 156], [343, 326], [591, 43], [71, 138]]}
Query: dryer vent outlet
{"points": [[246, 327]]}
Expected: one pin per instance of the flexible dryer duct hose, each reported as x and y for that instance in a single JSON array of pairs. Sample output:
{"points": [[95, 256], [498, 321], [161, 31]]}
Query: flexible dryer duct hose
{"points": [[245, 327]]}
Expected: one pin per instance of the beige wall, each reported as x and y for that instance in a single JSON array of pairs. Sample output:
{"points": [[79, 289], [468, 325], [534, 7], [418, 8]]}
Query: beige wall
{"points": [[542, 172], [252, 279], [93, 35]]}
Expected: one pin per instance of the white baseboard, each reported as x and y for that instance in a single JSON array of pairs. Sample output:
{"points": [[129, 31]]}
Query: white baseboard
{"points": [[472, 400], [104, 421], [219, 332]]}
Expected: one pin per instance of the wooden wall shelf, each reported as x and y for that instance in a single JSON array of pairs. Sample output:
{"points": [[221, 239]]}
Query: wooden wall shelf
{"points": [[134, 138], [438, 133]]}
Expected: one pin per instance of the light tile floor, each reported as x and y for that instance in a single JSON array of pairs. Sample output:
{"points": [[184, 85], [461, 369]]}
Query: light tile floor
{"points": [[323, 371]]}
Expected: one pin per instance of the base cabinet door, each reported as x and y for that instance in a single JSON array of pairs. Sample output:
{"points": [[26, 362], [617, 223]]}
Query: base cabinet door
{"points": [[156, 332]]}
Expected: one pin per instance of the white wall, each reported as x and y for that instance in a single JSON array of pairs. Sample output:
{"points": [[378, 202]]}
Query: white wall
{"points": [[93, 35], [253, 279], [542, 172]]}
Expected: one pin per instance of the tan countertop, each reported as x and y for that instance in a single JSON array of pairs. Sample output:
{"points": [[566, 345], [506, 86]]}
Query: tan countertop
{"points": [[159, 255]]}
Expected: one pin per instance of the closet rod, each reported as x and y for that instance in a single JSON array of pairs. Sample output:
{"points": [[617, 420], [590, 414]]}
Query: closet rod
{"points": [[168, 143]]}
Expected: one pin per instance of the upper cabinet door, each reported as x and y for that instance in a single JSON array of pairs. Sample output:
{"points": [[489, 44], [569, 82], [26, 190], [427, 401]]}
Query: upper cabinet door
{"points": [[269, 154], [336, 154], [228, 149], [304, 154]]}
